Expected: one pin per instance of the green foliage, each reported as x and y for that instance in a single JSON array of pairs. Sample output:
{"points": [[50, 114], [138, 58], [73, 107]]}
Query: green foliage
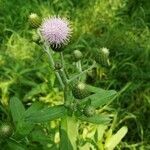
{"points": [[27, 83], [100, 96], [65, 143], [17, 109], [114, 140], [97, 119], [68, 136], [46, 114]]}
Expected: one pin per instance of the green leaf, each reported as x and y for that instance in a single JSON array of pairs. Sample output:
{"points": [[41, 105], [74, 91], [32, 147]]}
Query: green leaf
{"points": [[96, 119], [65, 139], [101, 131], [69, 131], [65, 142], [17, 109], [115, 139], [46, 114], [39, 136], [24, 128], [95, 89], [41, 88], [15, 146], [100, 98], [34, 108]]}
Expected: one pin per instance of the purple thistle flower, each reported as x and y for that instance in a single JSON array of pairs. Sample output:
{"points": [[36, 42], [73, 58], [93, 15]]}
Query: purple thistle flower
{"points": [[56, 31]]}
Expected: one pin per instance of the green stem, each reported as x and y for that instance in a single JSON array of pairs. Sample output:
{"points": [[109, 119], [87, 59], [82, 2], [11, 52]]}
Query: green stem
{"points": [[83, 72], [47, 50], [77, 65], [64, 77], [68, 129], [62, 59], [80, 66], [63, 71]]}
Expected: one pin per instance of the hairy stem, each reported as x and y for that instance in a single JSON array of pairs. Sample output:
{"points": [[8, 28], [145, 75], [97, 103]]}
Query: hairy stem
{"points": [[48, 51], [62, 71]]}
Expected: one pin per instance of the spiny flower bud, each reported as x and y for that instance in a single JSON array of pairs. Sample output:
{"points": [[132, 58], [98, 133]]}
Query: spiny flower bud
{"points": [[102, 57], [80, 91], [89, 111], [56, 32], [70, 106], [58, 65], [5, 130], [77, 55], [34, 20]]}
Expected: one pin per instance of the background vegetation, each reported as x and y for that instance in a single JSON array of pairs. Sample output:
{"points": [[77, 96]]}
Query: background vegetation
{"points": [[123, 26]]}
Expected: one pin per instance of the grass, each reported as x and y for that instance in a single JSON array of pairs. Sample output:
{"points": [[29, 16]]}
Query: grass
{"points": [[121, 26]]}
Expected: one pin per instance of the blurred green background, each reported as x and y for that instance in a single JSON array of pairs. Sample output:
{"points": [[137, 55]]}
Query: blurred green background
{"points": [[123, 26]]}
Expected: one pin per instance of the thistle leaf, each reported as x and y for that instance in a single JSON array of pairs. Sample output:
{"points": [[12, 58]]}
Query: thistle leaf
{"points": [[96, 119], [46, 114], [100, 98], [17, 109], [115, 139]]}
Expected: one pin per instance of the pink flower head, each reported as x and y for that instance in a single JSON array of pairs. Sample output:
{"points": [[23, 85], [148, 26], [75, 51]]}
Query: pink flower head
{"points": [[56, 31]]}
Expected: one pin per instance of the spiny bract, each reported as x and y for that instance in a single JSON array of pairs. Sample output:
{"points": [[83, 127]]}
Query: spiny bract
{"points": [[80, 91], [6, 130], [101, 56], [34, 20]]}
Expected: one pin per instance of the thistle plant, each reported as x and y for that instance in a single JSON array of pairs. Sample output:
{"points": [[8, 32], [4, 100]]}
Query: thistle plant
{"points": [[81, 101]]}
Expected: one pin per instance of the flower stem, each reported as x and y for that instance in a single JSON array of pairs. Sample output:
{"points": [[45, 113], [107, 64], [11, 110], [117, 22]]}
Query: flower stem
{"points": [[62, 71], [48, 51], [64, 77], [62, 59], [83, 72], [80, 66]]}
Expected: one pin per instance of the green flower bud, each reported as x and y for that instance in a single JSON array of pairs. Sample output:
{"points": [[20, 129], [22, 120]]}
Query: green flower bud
{"points": [[34, 20], [102, 57], [6, 130], [91, 75], [89, 111], [35, 37], [77, 55], [80, 91], [58, 65]]}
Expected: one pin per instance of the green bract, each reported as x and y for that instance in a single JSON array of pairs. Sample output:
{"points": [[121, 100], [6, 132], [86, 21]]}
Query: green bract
{"points": [[89, 111], [34, 20], [6, 130], [58, 65], [101, 56], [80, 91], [77, 55]]}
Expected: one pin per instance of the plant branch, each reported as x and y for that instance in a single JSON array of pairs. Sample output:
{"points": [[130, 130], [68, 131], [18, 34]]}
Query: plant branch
{"points": [[48, 51], [83, 72]]}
